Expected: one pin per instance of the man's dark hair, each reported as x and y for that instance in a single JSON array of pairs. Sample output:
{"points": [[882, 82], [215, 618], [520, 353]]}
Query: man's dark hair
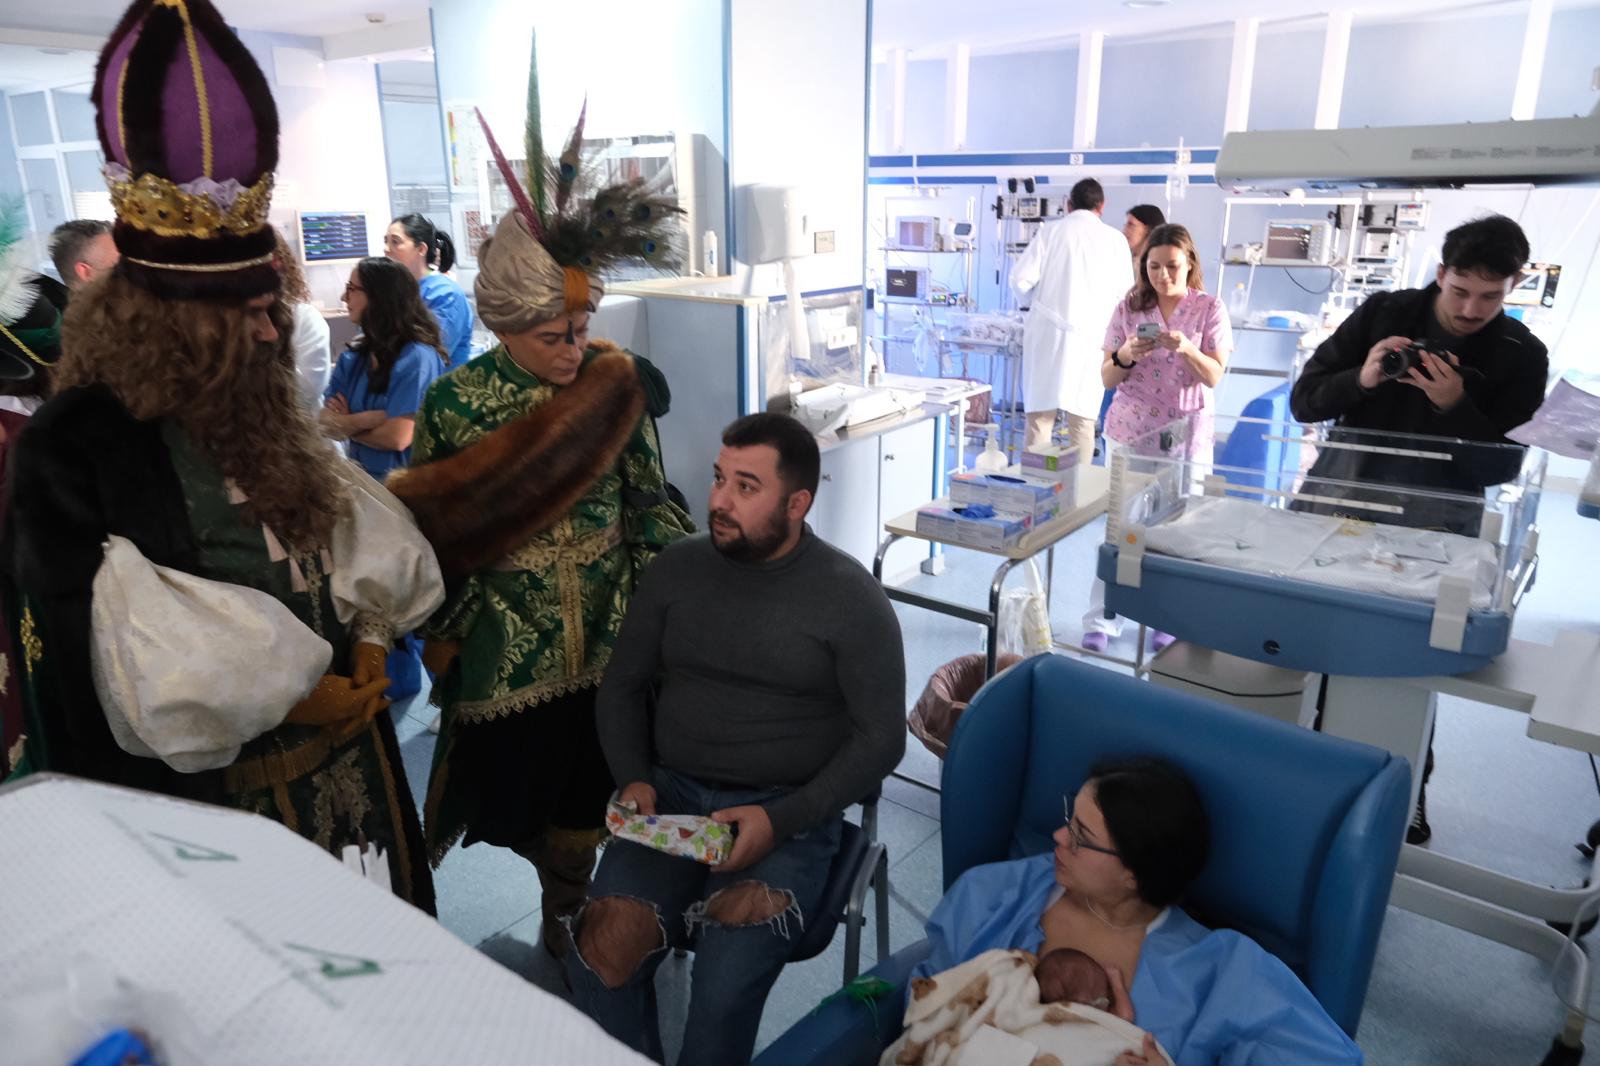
{"points": [[799, 461], [67, 241], [1493, 245], [1087, 195], [1156, 822]]}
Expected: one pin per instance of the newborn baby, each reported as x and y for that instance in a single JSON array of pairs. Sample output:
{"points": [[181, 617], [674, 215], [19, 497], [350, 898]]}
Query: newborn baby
{"points": [[1011, 1008], [1067, 975]]}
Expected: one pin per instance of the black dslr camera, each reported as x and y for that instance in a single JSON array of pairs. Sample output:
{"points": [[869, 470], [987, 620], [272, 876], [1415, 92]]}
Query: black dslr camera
{"points": [[1397, 361]]}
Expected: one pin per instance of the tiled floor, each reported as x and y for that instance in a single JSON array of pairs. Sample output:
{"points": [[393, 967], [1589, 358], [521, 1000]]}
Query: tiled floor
{"points": [[1438, 995]]}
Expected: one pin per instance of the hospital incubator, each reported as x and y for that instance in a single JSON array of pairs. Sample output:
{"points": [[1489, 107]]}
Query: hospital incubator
{"points": [[1322, 548]]}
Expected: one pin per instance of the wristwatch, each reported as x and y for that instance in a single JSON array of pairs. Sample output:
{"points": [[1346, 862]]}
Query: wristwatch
{"points": [[1118, 362]]}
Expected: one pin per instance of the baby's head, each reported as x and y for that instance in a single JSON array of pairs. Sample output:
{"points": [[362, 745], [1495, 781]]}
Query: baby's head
{"points": [[1067, 975]]}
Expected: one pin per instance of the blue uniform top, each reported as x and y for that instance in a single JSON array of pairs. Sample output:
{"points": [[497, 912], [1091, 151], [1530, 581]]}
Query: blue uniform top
{"points": [[449, 306], [1211, 998], [416, 369]]}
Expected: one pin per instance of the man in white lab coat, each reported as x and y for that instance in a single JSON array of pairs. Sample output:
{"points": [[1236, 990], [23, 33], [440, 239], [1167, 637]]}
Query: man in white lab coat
{"points": [[1075, 271]]}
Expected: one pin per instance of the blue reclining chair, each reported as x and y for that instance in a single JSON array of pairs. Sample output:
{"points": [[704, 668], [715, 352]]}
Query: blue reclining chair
{"points": [[1305, 828]]}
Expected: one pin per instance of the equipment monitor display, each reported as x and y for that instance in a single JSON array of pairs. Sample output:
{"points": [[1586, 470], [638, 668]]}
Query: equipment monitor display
{"points": [[1536, 286], [1298, 241], [905, 284], [918, 233], [328, 236]]}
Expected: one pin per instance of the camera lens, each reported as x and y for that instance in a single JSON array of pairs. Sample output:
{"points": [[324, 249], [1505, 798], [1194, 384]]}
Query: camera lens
{"points": [[1397, 361]]}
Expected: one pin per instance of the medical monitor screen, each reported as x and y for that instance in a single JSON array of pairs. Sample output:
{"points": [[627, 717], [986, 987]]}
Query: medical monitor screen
{"points": [[1536, 287], [1289, 240], [326, 236], [918, 232]]}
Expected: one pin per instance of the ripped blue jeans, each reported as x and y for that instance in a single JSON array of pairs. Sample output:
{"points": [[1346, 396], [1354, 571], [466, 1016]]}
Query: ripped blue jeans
{"points": [[734, 966]]}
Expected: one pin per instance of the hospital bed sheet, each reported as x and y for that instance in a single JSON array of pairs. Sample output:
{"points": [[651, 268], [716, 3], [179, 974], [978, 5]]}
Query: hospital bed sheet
{"points": [[1327, 550]]}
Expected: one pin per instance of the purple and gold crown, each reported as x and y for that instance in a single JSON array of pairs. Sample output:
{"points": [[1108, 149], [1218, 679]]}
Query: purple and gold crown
{"points": [[190, 134]]}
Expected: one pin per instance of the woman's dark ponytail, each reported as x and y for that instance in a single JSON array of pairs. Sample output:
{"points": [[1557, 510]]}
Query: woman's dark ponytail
{"points": [[441, 249]]}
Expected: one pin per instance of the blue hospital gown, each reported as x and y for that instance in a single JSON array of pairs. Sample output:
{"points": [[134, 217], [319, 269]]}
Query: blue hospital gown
{"points": [[1210, 998]]}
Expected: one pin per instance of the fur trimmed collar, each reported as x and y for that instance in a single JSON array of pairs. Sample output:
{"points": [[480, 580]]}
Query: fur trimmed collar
{"points": [[482, 503]]}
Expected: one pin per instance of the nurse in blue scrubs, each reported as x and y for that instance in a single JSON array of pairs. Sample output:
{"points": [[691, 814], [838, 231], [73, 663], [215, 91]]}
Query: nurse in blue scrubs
{"points": [[429, 254], [378, 383], [372, 399]]}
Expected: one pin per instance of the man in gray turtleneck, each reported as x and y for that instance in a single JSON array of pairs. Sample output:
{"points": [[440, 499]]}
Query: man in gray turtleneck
{"points": [[759, 678]]}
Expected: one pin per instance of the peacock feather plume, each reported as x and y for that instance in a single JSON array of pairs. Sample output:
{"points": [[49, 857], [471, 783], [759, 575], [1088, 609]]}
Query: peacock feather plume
{"points": [[533, 133], [586, 224], [518, 196], [606, 226], [18, 281], [571, 161]]}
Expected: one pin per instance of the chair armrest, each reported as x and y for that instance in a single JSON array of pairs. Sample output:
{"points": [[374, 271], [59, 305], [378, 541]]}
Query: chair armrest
{"points": [[977, 817], [847, 1033], [1353, 895]]}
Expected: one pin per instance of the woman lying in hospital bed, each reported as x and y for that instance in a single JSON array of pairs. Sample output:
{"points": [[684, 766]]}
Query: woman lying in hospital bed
{"points": [[1135, 837]]}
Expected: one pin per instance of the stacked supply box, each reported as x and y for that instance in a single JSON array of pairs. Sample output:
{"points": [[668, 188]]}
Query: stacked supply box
{"points": [[984, 527], [1053, 464], [1039, 499]]}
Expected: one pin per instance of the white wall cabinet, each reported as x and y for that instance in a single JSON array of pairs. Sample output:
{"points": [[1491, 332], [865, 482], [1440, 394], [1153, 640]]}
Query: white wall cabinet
{"points": [[869, 481], [845, 513]]}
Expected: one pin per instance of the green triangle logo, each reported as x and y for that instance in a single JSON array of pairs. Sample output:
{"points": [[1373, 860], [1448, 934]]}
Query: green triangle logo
{"points": [[192, 852], [334, 965]]}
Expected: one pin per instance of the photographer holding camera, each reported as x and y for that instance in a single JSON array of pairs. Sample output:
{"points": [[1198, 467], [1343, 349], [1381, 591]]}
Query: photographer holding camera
{"points": [[1443, 361], [1457, 365]]}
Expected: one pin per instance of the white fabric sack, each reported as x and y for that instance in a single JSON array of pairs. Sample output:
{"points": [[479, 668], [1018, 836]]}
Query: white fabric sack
{"points": [[189, 669], [382, 565]]}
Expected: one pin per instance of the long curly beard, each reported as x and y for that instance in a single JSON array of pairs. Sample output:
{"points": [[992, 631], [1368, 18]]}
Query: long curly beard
{"points": [[195, 361]]}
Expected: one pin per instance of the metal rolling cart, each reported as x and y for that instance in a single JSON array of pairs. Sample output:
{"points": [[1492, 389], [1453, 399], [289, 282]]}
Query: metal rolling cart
{"points": [[1088, 503]]}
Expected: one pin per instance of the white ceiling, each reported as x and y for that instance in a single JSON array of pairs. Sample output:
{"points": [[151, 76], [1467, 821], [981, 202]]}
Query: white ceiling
{"points": [[310, 18], [22, 65], [932, 26]]}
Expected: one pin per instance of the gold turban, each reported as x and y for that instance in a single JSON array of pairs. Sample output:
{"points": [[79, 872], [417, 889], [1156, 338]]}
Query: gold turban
{"points": [[521, 285]]}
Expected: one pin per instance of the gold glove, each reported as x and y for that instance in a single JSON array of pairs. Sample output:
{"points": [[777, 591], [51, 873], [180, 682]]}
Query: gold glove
{"points": [[337, 702], [367, 663], [437, 655]]}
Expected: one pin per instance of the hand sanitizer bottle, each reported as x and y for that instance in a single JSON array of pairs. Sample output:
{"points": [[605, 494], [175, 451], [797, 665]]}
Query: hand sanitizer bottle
{"points": [[991, 460]]}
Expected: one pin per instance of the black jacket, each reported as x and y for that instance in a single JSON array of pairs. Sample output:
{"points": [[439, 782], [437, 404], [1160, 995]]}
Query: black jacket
{"points": [[1506, 367], [85, 468]]}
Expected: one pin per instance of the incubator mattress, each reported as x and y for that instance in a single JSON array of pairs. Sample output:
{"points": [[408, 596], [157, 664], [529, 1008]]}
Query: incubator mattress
{"points": [[1348, 554]]}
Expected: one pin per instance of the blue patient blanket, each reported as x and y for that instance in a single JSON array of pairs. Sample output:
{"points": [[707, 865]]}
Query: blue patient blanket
{"points": [[1211, 998]]}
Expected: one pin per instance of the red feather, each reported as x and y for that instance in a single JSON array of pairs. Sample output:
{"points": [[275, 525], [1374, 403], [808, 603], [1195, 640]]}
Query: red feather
{"points": [[529, 215]]}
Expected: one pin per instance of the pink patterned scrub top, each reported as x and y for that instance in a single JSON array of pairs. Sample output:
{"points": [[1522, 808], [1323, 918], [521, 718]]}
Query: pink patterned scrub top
{"points": [[1162, 388]]}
